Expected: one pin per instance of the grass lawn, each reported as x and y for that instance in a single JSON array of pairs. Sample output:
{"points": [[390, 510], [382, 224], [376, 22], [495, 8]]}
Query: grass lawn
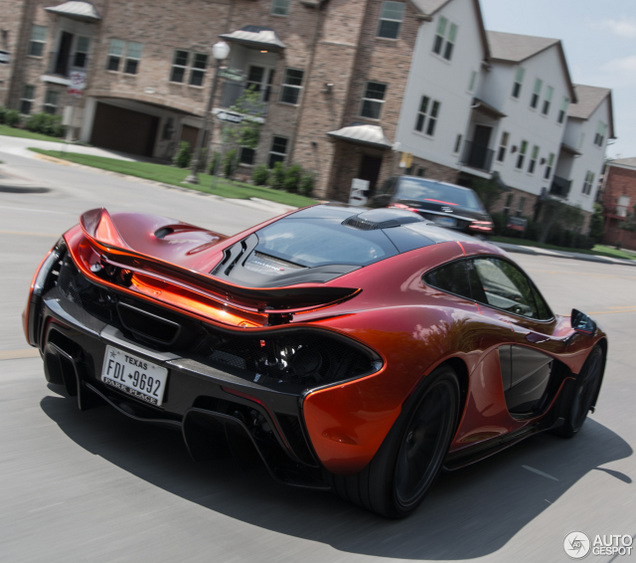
{"points": [[175, 176]]}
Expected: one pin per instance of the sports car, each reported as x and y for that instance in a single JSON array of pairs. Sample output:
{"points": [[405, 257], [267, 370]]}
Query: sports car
{"points": [[362, 351]]}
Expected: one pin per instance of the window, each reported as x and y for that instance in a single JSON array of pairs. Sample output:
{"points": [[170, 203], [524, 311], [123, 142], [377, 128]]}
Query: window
{"points": [[581, 140], [133, 56], [115, 54], [458, 144], [473, 79], [259, 79], [548, 168], [548, 99], [38, 40], [247, 155], [445, 38], [199, 65], [179, 66], [182, 62], [280, 7], [50, 102], [80, 57], [373, 100], [533, 159], [622, 205], [522, 154], [427, 116], [292, 85], [599, 138], [506, 287], [516, 87], [492, 281], [503, 146], [508, 204], [589, 181], [278, 151], [26, 102], [520, 206], [534, 100], [129, 51], [391, 18], [563, 110], [458, 278]]}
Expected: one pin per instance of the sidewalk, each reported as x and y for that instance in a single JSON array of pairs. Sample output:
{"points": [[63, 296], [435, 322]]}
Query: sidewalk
{"points": [[518, 248]]}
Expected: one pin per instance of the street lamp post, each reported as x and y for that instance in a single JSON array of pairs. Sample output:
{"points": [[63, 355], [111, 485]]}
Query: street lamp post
{"points": [[220, 51]]}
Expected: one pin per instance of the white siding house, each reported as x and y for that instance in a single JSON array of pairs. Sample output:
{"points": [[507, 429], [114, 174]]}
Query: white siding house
{"points": [[449, 53], [528, 82], [589, 127]]}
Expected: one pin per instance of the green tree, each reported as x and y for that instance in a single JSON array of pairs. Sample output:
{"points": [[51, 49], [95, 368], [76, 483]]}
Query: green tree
{"points": [[489, 191], [597, 223], [247, 133], [553, 212], [629, 224]]}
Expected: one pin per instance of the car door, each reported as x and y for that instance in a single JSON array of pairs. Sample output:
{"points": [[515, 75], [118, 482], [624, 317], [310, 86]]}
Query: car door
{"points": [[527, 364]]}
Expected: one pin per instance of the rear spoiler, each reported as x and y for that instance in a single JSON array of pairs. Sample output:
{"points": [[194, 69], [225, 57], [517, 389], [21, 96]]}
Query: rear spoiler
{"points": [[100, 229]]}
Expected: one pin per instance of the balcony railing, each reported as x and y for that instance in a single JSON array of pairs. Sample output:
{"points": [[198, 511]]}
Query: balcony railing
{"points": [[477, 156], [560, 187]]}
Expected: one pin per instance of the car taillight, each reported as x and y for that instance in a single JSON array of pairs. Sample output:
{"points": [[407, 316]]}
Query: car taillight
{"points": [[402, 206], [481, 226], [44, 279]]}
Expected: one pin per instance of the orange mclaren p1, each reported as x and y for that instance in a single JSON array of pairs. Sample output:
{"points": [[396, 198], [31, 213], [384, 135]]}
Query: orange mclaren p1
{"points": [[356, 350]]}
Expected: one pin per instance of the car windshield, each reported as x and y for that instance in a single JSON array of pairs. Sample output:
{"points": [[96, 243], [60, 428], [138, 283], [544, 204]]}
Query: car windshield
{"points": [[312, 244], [424, 190]]}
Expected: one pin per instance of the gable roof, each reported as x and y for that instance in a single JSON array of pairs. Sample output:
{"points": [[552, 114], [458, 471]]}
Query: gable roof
{"points": [[589, 98], [513, 48], [429, 8]]}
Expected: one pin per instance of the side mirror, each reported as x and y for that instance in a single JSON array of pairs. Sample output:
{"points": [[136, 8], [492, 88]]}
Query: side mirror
{"points": [[582, 323]]}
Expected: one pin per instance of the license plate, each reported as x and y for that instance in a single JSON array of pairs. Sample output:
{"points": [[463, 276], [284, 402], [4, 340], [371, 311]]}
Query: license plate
{"points": [[445, 221], [133, 375]]}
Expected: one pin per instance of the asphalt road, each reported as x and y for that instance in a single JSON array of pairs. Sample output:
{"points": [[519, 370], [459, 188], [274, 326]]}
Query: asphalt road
{"points": [[95, 486]]}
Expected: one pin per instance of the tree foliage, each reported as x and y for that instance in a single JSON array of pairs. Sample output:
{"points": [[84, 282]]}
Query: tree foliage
{"points": [[629, 224]]}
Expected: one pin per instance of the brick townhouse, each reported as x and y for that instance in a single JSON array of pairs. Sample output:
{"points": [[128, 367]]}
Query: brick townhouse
{"points": [[619, 199], [348, 87]]}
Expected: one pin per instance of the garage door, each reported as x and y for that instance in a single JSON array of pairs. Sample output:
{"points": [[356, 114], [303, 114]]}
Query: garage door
{"points": [[124, 130]]}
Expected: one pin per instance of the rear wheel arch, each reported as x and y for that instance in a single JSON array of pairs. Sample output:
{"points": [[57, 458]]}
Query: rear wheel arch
{"points": [[396, 480]]}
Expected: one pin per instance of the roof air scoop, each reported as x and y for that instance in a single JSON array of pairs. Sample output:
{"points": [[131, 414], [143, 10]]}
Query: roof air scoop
{"points": [[385, 218]]}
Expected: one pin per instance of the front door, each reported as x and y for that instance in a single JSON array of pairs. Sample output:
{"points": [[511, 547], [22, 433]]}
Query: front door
{"points": [[370, 170]]}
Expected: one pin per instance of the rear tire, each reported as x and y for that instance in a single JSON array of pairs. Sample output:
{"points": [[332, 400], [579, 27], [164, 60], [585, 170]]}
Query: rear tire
{"points": [[581, 396], [411, 456]]}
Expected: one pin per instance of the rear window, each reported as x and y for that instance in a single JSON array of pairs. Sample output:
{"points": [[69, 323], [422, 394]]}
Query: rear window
{"points": [[423, 190], [310, 244]]}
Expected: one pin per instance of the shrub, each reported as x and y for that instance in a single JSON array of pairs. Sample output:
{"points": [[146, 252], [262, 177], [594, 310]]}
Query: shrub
{"points": [[277, 176], [3, 113], [230, 163], [12, 118], [293, 175], [307, 183], [214, 163], [260, 175], [182, 156], [45, 123]]}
